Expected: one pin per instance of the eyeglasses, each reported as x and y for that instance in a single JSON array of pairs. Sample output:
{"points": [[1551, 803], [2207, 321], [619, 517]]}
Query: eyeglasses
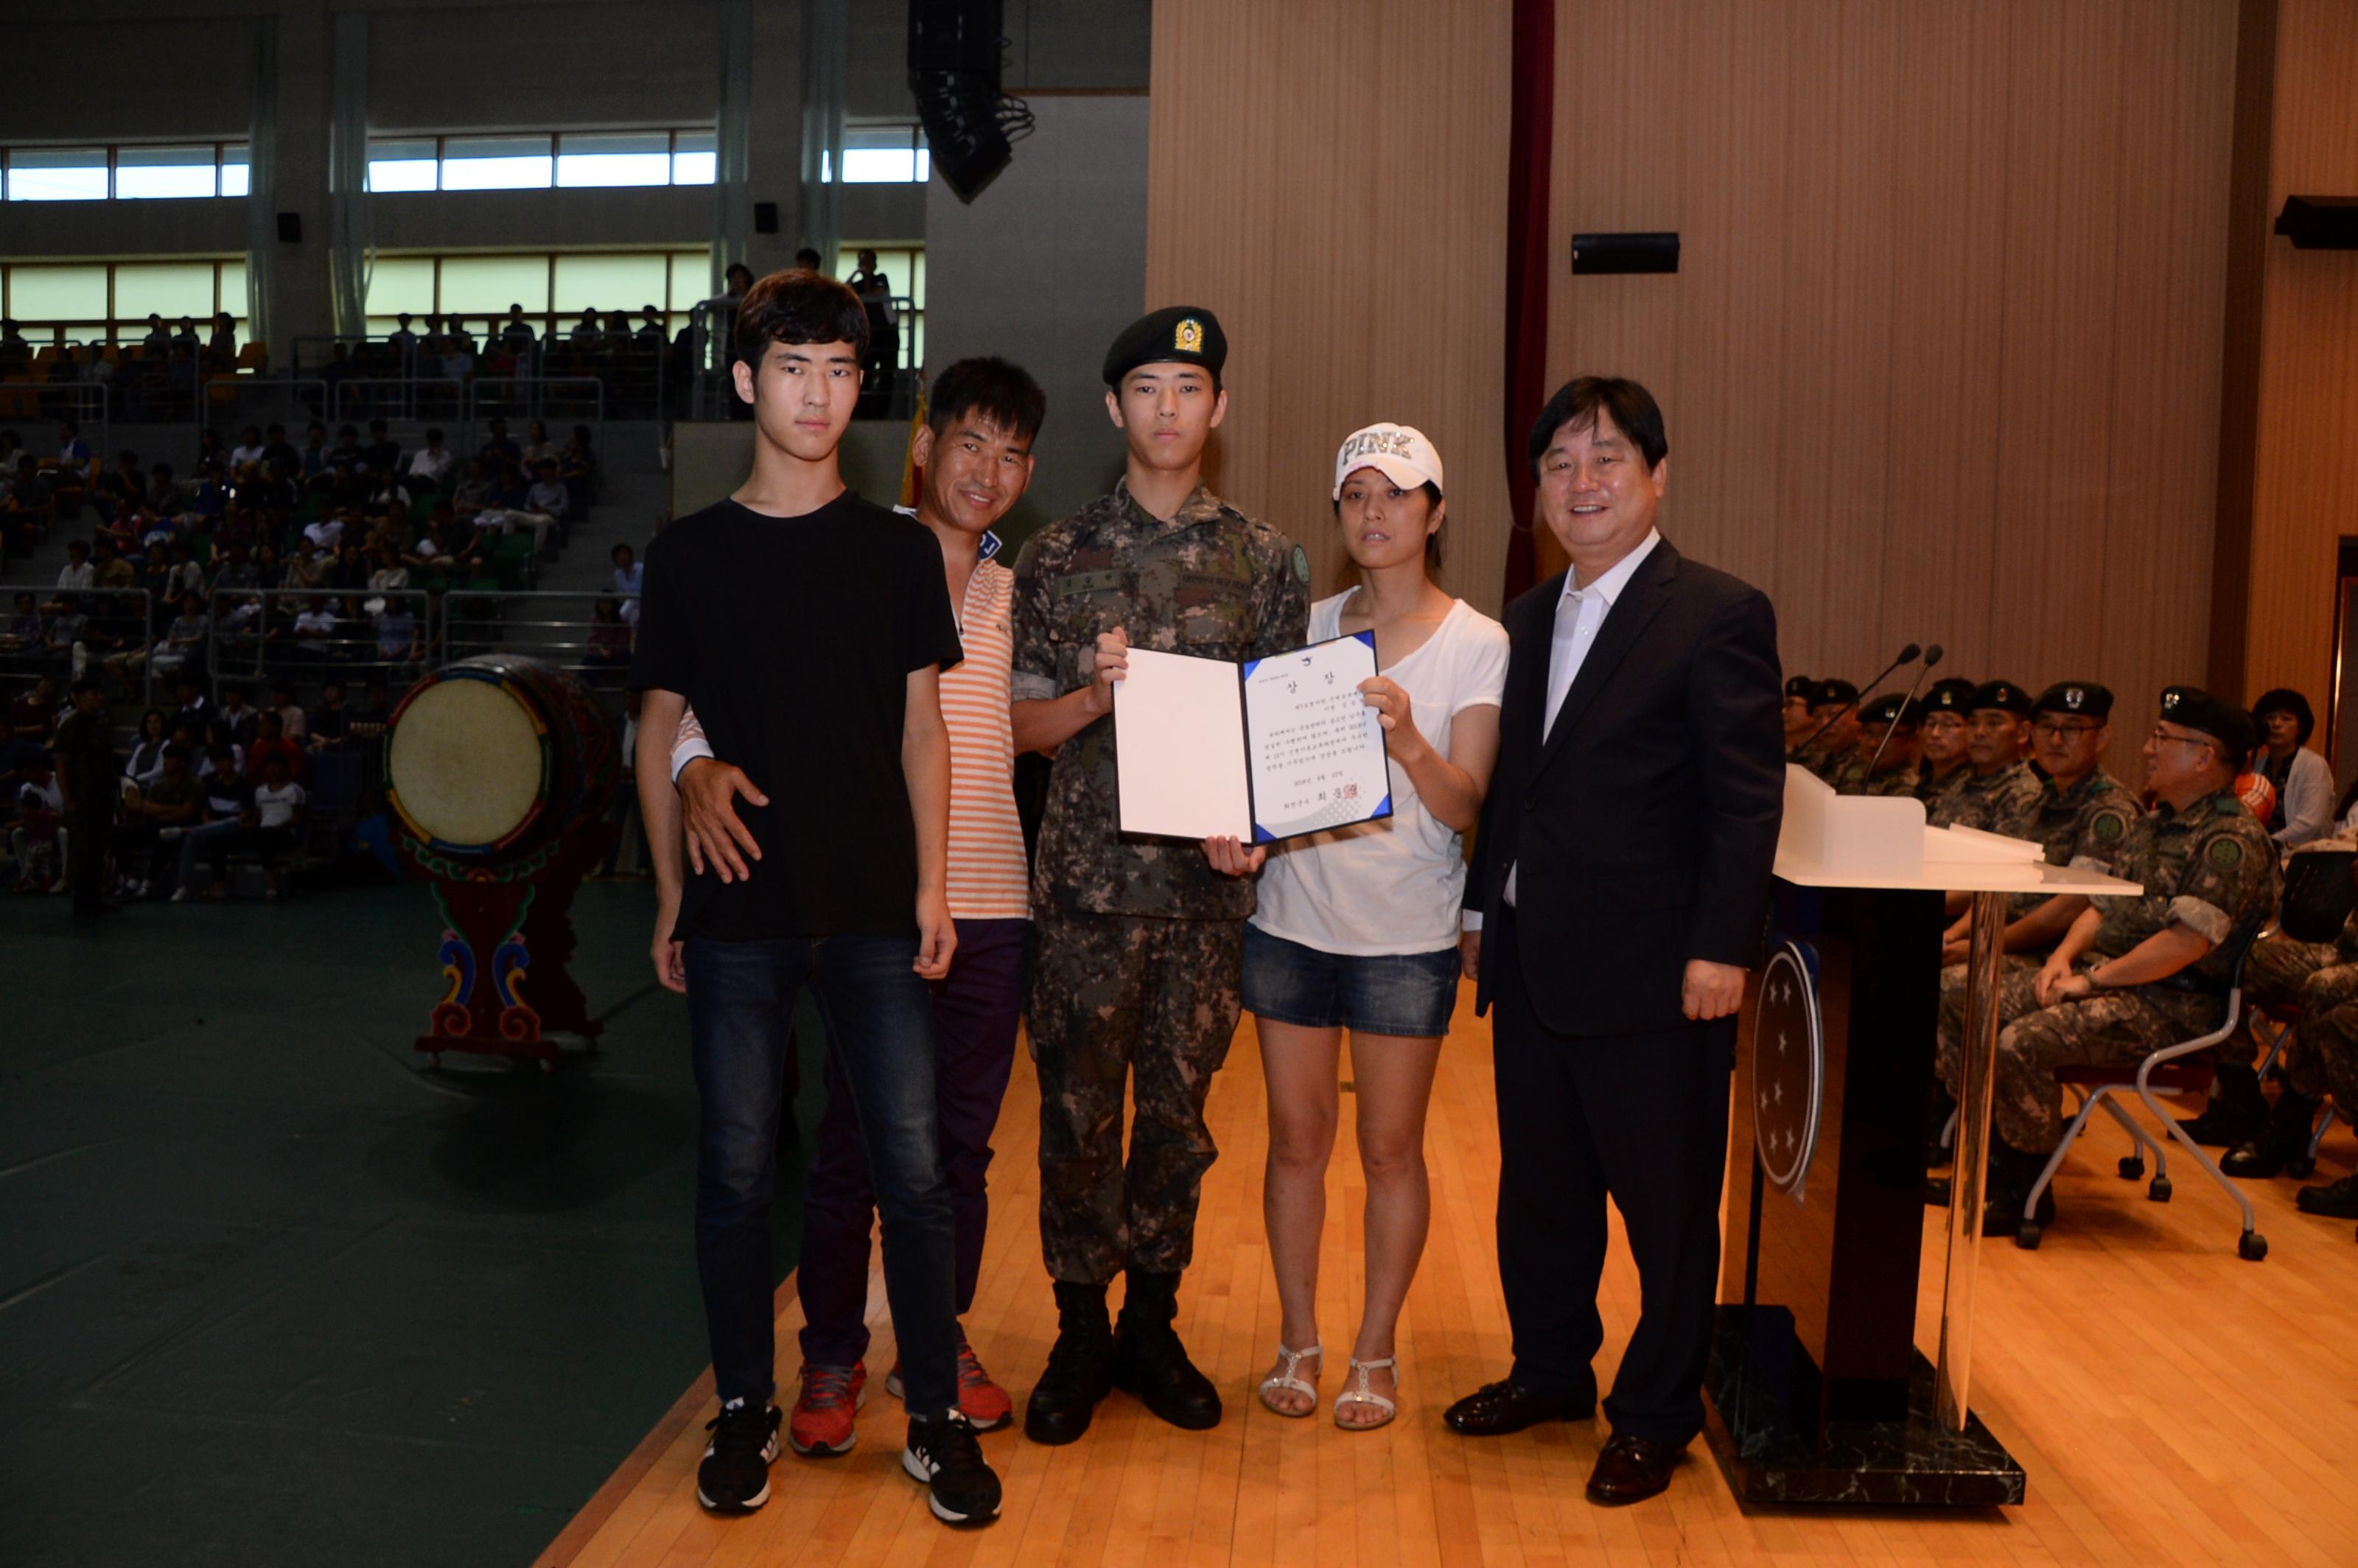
{"points": [[2056, 729], [2162, 738]]}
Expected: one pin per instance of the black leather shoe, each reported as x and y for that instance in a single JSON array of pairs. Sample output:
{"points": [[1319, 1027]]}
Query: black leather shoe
{"points": [[1148, 1361], [1080, 1367], [2334, 1200], [1496, 1409], [1632, 1468], [2282, 1145], [2237, 1113]]}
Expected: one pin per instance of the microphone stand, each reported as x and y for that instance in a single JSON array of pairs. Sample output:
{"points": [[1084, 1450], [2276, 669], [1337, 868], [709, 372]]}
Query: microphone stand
{"points": [[1906, 653], [1931, 657]]}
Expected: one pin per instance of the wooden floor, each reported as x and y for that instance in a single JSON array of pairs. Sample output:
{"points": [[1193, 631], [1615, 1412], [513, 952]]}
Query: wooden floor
{"points": [[2170, 1403]]}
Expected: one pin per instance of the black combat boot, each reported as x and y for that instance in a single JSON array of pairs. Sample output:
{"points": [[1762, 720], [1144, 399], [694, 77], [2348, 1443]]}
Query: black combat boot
{"points": [[2282, 1145], [2004, 1187], [2238, 1112], [1080, 1367], [2335, 1200], [1150, 1362]]}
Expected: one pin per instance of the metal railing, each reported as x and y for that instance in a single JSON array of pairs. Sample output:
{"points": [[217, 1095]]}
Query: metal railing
{"points": [[117, 639], [258, 635], [587, 633], [712, 396]]}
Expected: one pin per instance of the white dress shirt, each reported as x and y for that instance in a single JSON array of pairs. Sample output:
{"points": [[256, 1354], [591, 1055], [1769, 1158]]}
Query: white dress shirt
{"points": [[1578, 616]]}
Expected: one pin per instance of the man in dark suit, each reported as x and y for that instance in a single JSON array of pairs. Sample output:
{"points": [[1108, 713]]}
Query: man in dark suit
{"points": [[1619, 889]]}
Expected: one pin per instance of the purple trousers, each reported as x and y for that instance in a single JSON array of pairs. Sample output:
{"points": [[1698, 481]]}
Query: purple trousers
{"points": [[976, 1011]]}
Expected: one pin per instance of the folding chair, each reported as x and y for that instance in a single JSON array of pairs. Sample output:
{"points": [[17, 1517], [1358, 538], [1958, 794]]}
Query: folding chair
{"points": [[2173, 1068]]}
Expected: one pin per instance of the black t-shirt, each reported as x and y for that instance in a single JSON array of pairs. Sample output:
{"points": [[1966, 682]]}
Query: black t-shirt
{"points": [[794, 639]]}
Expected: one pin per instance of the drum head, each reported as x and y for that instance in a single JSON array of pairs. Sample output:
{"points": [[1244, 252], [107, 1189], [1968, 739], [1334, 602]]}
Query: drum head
{"points": [[465, 762]]}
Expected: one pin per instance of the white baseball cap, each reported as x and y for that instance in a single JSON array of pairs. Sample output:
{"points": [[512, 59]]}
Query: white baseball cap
{"points": [[1399, 452]]}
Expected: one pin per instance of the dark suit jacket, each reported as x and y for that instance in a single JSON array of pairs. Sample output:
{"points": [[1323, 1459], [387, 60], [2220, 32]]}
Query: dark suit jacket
{"points": [[1644, 829]]}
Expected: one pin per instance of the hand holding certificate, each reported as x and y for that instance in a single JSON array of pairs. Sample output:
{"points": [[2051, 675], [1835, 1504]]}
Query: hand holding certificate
{"points": [[1269, 750]]}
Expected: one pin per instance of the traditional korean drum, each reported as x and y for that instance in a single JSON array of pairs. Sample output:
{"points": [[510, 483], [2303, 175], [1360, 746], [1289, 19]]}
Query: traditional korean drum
{"points": [[491, 758]]}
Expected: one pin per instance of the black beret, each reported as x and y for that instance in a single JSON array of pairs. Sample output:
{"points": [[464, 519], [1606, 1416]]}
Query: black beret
{"points": [[2084, 698], [2194, 708], [1955, 695], [1176, 334], [1802, 687], [1835, 690], [2003, 695], [1892, 706]]}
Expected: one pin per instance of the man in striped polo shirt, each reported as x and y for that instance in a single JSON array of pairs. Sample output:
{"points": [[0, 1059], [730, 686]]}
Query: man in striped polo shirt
{"points": [[974, 456]]}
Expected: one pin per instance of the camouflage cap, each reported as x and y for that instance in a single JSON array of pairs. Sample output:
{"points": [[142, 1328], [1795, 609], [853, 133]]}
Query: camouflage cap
{"points": [[2083, 698], [2002, 694], [1955, 695], [2194, 708], [1176, 334]]}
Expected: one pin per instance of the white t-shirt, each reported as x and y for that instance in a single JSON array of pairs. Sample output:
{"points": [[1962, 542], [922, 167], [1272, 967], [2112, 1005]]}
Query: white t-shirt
{"points": [[276, 806], [1392, 885]]}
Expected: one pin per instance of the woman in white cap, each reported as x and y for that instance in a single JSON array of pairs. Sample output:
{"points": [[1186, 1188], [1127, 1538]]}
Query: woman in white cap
{"points": [[1357, 928]]}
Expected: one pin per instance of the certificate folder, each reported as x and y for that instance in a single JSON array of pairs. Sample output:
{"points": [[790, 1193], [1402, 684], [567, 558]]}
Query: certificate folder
{"points": [[1267, 750]]}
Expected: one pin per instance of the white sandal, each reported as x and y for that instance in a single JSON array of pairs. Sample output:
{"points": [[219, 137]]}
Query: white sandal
{"points": [[1289, 1382], [1364, 1395]]}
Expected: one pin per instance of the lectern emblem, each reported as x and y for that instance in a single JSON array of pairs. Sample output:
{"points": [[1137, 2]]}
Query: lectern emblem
{"points": [[1789, 1067]]}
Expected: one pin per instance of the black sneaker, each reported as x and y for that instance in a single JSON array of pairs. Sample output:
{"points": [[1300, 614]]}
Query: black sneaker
{"points": [[944, 1453], [735, 1474]]}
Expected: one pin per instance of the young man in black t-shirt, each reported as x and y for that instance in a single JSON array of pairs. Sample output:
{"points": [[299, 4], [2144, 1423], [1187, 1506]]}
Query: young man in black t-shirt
{"points": [[808, 627]]}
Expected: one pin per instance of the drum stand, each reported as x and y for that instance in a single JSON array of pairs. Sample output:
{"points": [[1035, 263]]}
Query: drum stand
{"points": [[506, 945]]}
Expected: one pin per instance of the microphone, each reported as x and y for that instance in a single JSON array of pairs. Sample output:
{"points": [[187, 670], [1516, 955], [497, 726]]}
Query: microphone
{"points": [[1906, 653], [1932, 656]]}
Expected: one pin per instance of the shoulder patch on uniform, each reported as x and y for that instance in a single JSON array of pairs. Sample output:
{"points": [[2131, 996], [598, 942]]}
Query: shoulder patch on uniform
{"points": [[2109, 827], [2226, 854], [1301, 563]]}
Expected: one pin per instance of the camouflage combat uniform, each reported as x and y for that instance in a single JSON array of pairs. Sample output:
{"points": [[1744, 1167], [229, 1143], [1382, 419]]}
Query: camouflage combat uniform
{"points": [[2285, 971], [1852, 778], [1820, 757], [2001, 802], [1140, 942], [2084, 826], [2321, 1059], [1932, 792], [2211, 868]]}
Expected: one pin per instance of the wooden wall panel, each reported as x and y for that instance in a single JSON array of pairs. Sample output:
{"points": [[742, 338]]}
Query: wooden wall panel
{"points": [[1941, 361], [2305, 486], [1330, 176]]}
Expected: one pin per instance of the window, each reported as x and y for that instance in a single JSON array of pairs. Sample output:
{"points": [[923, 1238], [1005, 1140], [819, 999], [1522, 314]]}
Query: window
{"points": [[125, 172], [883, 153], [903, 267], [553, 287], [569, 160], [98, 302]]}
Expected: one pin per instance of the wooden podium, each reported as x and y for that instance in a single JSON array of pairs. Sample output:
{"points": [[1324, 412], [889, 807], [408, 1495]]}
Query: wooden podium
{"points": [[1816, 1393]]}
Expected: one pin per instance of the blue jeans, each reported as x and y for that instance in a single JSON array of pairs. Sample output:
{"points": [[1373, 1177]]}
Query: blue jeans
{"points": [[880, 1030]]}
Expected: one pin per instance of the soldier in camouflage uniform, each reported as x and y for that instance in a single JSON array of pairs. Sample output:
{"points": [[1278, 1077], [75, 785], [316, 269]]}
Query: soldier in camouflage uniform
{"points": [[2001, 792], [2321, 1059], [2281, 971], [1799, 690], [1139, 942], [2133, 974], [1940, 760], [1833, 731], [1893, 716]]}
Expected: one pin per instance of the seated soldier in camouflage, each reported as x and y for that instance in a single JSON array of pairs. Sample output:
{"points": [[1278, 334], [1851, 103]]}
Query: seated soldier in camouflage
{"points": [[2000, 791], [1799, 689], [1940, 760], [1833, 731], [2079, 813], [2134, 973], [2282, 971], [1883, 759], [2321, 1058]]}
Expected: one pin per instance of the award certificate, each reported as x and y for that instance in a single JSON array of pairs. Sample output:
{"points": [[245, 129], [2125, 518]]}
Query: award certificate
{"points": [[1271, 748]]}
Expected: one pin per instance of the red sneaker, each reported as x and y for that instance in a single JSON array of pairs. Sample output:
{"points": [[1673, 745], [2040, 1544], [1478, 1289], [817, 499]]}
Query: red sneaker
{"points": [[986, 1406], [822, 1420]]}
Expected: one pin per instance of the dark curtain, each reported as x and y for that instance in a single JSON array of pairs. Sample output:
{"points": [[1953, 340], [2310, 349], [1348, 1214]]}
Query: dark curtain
{"points": [[1531, 133]]}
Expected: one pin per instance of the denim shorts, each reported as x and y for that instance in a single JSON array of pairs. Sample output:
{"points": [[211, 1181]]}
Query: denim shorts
{"points": [[1410, 994]]}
